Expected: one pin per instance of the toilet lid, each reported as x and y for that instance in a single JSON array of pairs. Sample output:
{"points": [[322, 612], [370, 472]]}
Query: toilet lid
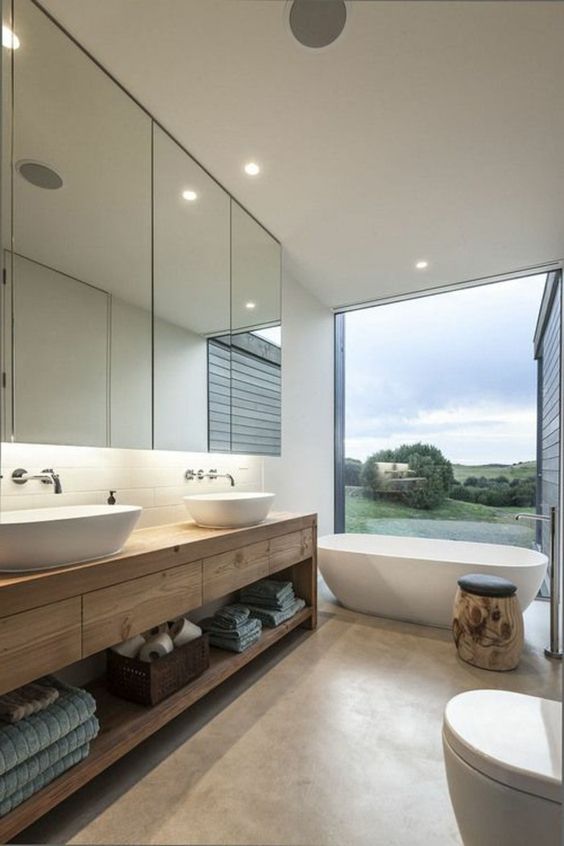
{"points": [[512, 738]]}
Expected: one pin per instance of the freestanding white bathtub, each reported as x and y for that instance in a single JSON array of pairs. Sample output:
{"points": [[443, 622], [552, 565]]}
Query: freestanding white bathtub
{"points": [[415, 579]]}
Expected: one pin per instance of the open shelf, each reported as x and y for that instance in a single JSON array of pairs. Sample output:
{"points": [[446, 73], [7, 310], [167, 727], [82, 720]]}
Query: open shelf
{"points": [[123, 725]]}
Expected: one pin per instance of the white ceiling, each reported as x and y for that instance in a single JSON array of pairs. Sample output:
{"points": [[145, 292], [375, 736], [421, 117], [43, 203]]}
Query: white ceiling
{"points": [[429, 130]]}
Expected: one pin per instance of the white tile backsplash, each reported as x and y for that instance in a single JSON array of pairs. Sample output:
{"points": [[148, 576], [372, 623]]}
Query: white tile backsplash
{"points": [[152, 479]]}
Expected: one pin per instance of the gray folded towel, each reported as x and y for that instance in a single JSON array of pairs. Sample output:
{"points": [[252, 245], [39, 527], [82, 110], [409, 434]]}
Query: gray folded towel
{"points": [[26, 700], [275, 596], [268, 589], [270, 604], [44, 778], [246, 629], [18, 777], [271, 618], [23, 740], [234, 645], [231, 616]]}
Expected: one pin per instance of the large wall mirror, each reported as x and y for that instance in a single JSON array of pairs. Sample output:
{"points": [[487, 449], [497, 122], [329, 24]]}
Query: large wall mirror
{"points": [[80, 266], [192, 292], [255, 343], [142, 304]]}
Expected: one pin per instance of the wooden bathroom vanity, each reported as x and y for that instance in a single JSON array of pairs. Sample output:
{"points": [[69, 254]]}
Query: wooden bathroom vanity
{"points": [[52, 618]]}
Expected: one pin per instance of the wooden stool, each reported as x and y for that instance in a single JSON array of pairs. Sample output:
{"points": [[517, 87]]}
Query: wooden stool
{"points": [[487, 622]]}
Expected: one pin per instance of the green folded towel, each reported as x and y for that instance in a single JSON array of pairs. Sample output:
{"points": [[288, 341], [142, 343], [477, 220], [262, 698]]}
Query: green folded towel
{"points": [[44, 778], [18, 777], [271, 618], [23, 740]]}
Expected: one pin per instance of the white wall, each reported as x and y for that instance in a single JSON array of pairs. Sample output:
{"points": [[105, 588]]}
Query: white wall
{"points": [[181, 399], [303, 477], [130, 375], [153, 480]]}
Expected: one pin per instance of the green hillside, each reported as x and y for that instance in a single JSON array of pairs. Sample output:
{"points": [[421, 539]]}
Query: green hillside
{"points": [[522, 470]]}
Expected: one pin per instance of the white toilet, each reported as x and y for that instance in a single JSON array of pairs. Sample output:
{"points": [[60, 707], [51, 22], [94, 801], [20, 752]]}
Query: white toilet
{"points": [[503, 757]]}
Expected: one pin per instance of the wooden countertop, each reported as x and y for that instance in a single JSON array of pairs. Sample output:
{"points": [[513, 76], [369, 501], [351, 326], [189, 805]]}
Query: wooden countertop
{"points": [[146, 551]]}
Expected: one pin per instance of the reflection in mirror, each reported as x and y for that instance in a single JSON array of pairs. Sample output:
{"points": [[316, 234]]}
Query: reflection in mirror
{"points": [[5, 212], [81, 259], [255, 337], [191, 296]]}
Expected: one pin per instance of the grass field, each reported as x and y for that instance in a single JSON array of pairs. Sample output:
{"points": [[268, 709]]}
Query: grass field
{"points": [[453, 520], [523, 470]]}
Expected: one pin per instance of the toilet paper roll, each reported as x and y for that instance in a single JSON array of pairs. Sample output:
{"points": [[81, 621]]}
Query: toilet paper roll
{"points": [[183, 631], [129, 648], [149, 633], [156, 647]]}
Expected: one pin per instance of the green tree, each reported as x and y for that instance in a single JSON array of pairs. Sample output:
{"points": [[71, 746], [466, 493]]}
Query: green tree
{"points": [[370, 478], [426, 462], [353, 468]]}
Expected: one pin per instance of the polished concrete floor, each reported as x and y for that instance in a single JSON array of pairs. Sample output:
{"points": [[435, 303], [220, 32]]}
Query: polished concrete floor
{"points": [[332, 737]]}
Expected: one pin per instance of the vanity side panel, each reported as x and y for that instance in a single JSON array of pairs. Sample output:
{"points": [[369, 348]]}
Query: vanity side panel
{"points": [[222, 574], [39, 641], [116, 613]]}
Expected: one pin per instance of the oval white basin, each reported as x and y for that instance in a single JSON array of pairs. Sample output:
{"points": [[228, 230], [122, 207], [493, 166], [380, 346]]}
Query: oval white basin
{"points": [[41, 538], [229, 510]]}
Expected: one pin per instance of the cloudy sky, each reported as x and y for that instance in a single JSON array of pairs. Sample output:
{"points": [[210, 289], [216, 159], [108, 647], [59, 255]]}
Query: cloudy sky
{"points": [[455, 370]]}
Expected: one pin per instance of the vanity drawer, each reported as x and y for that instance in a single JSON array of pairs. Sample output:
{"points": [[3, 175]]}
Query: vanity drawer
{"points": [[232, 570], [116, 613], [39, 641], [286, 550]]}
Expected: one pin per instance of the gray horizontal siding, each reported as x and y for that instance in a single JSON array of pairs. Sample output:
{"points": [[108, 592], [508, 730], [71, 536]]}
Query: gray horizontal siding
{"points": [[548, 355], [244, 396]]}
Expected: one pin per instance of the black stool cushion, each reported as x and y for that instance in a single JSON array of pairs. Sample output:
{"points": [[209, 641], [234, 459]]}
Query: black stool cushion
{"points": [[487, 585]]}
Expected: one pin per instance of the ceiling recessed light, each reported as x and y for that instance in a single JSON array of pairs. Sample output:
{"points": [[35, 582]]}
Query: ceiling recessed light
{"points": [[38, 174], [250, 305], [9, 39], [421, 265], [317, 24], [252, 169], [189, 195]]}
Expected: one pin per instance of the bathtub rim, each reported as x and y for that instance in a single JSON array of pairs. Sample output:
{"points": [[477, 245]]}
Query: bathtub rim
{"points": [[537, 559]]}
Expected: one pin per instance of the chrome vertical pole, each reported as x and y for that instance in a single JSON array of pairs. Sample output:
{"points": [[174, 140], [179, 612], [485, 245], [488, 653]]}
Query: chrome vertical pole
{"points": [[555, 650]]}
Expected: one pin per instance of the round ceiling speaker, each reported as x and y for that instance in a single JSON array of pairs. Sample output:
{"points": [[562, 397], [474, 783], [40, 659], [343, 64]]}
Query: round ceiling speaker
{"points": [[317, 23], [39, 174]]}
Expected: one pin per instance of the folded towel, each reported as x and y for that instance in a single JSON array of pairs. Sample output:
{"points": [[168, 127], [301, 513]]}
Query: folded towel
{"points": [[21, 741], [231, 616], [26, 700], [250, 627], [18, 777], [234, 645], [268, 589], [44, 778], [272, 605], [271, 618]]}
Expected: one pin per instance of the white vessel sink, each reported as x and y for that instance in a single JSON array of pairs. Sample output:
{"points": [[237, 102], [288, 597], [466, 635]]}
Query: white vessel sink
{"points": [[229, 510], [40, 538]]}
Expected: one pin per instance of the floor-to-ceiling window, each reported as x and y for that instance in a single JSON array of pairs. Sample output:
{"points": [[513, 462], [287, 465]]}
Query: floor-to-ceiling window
{"points": [[439, 414]]}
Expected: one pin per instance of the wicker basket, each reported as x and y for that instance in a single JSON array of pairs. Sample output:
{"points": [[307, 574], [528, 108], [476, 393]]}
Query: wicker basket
{"points": [[149, 683]]}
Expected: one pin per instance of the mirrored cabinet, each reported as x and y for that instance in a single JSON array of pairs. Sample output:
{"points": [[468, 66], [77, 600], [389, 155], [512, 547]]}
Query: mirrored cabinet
{"points": [[255, 336], [191, 291], [142, 303]]}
